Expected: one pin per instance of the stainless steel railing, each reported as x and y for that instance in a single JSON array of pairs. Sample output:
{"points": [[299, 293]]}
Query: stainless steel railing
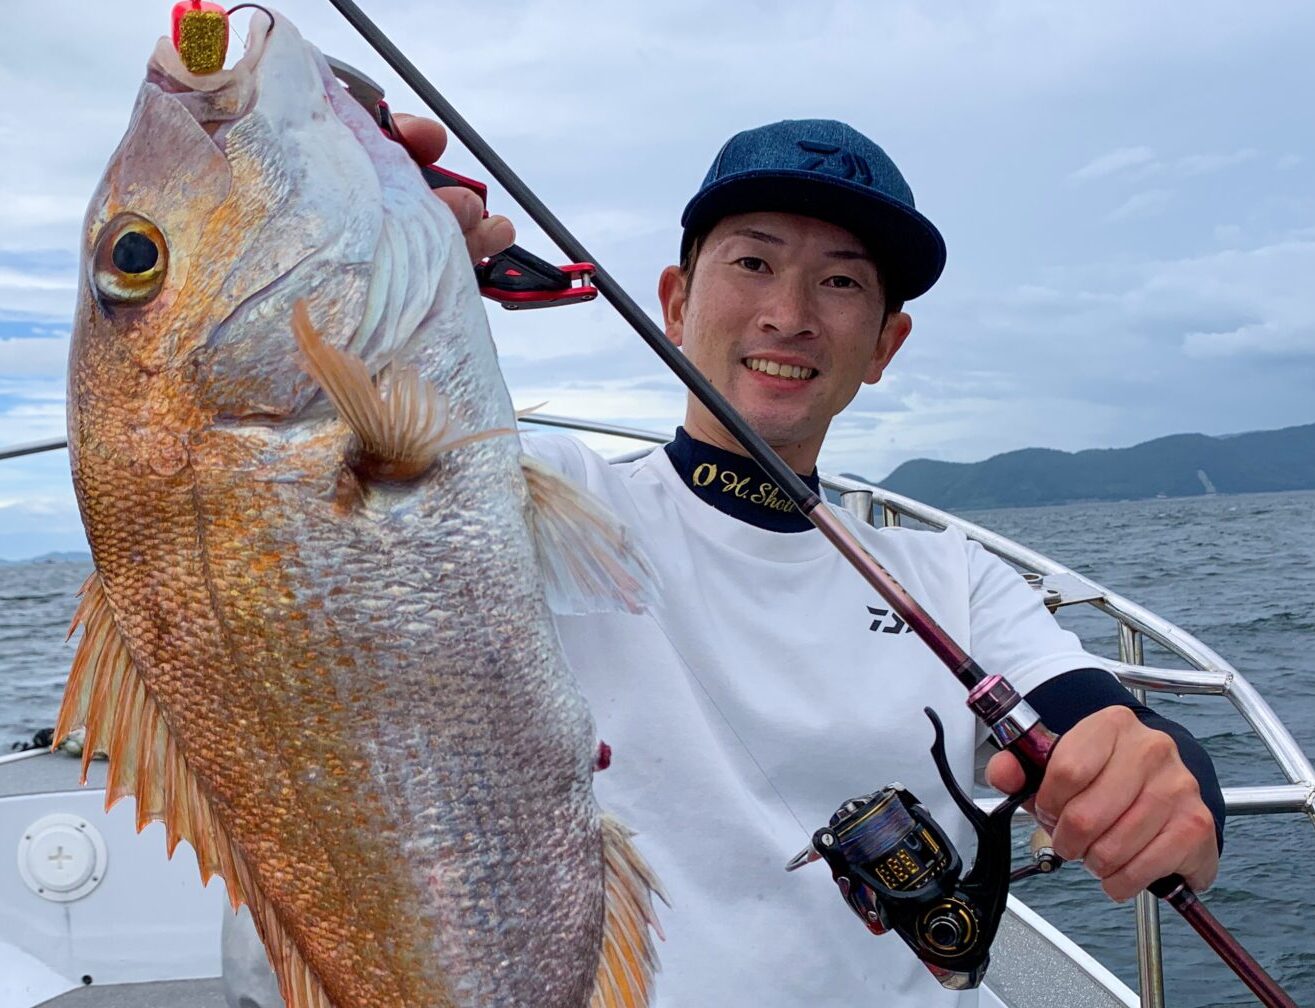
{"points": [[32, 448], [1209, 672]]}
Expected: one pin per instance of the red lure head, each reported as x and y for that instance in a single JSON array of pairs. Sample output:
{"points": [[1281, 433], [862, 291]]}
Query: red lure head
{"points": [[200, 35]]}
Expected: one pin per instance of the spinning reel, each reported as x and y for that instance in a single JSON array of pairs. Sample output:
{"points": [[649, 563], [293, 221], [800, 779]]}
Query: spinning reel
{"points": [[897, 870]]}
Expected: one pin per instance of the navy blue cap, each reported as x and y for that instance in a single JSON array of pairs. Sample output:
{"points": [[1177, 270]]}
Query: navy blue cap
{"points": [[825, 169]]}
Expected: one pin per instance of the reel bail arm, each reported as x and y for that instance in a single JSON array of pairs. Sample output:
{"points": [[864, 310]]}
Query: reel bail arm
{"points": [[898, 870]]}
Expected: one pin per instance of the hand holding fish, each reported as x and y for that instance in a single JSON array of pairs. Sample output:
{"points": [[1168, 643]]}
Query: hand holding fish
{"points": [[426, 140], [1117, 796]]}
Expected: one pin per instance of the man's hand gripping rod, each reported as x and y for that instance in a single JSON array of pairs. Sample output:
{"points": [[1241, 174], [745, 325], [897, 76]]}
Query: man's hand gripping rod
{"points": [[1014, 724]]}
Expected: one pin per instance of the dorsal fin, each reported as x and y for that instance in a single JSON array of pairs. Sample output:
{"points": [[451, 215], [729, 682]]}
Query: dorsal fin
{"points": [[403, 432], [107, 695], [627, 959]]}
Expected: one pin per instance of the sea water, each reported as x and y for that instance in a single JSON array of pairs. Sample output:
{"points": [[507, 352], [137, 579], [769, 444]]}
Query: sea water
{"points": [[1238, 572]]}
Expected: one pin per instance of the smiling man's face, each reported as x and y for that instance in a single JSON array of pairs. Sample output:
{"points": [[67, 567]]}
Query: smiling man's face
{"points": [[783, 314]]}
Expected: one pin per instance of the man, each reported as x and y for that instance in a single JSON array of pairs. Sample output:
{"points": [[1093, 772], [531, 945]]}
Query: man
{"points": [[761, 691]]}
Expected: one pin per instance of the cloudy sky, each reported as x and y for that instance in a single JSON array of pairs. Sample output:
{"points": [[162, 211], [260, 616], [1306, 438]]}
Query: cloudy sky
{"points": [[1126, 191]]}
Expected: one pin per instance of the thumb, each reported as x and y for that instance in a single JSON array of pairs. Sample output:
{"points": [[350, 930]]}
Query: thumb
{"points": [[1005, 773]]}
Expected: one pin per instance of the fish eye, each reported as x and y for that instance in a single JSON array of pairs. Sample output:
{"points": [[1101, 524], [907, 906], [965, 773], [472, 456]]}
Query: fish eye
{"points": [[130, 260]]}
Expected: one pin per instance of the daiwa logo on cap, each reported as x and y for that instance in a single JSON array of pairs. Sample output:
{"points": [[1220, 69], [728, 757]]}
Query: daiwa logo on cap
{"points": [[832, 159], [829, 170]]}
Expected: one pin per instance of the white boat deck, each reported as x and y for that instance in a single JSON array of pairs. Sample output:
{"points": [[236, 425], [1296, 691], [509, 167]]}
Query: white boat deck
{"points": [[150, 936], [147, 919], [161, 994]]}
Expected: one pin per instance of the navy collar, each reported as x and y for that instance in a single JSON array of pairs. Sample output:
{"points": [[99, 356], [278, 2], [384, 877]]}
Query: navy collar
{"points": [[736, 485]]}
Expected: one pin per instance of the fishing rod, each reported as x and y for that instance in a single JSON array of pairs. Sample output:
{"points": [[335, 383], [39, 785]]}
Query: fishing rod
{"points": [[32, 448], [1013, 723]]}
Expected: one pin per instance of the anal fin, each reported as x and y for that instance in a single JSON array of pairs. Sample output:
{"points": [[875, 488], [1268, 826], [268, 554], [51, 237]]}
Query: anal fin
{"points": [[627, 959]]}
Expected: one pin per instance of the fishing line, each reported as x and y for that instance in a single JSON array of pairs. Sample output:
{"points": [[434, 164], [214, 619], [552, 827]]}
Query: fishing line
{"points": [[1013, 723], [251, 6], [689, 667]]}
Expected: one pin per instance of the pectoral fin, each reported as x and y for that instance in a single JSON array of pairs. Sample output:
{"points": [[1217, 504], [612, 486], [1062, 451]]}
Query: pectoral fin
{"points": [[590, 562], [403, 429]]}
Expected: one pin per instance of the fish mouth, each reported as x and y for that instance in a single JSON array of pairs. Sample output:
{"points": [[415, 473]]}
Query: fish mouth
{"points": [[216, 100]]}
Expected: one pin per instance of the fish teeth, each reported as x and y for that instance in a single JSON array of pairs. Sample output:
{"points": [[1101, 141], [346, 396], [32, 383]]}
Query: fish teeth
{"points": [[780, 370]]}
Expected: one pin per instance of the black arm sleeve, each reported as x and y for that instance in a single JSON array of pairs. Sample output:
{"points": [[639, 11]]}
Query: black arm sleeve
{"points": [[1066, 699]]}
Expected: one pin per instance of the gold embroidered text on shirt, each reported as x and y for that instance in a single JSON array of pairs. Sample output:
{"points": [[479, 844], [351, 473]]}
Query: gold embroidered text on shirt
{"points": [[767, 494]]}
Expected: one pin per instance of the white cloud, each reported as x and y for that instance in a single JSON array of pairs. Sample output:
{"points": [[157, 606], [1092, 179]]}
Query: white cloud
{"points": [[1262, 338], [1113, 163], [1068, 315], [612, 223], [33, 218], [1204, 164], [38, 512], [31, 527], [1141, 162], [36, 294], [636, 404], [1142, 204], [1266, 288], [43, 389], [19, 427], [38, 410], [14, 280], [872, 445]]}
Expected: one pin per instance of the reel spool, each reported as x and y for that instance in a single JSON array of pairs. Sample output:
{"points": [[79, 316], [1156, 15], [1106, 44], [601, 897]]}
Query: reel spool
{"points": [[898, 871]]}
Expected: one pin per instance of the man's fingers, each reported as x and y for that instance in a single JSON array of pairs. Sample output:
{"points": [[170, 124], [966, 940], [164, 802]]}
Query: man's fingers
{"points": [[489, 237], [466, 207], [484, 236], [1116, 789], [1005, 773], [1125, 804], [1076, 761], [1166, 855], [1134, 830], [425, 139]]}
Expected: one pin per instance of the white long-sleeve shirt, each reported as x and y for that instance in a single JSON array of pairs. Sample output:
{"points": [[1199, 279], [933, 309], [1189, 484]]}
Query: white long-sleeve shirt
{"points": [[769, 684]]}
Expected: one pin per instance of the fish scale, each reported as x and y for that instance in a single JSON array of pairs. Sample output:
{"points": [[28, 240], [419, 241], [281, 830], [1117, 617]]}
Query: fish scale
{"points": [[393, 691], [169, 590], [318, 642]]}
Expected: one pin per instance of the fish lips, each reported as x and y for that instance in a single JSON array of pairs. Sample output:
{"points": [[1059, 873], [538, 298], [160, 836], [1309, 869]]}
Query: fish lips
{"points": [[269, 98], [217, 100]]}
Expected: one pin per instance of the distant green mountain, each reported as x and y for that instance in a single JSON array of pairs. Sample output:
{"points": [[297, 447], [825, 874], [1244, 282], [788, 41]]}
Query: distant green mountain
{"points": [[1181, 465]]}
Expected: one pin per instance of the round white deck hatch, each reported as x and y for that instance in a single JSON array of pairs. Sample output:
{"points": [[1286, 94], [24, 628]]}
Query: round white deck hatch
{"points": [[61, 857]]}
